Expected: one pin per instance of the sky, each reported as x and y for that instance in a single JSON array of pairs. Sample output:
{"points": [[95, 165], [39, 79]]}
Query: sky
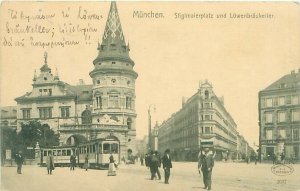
{"points": [[239, 56]]}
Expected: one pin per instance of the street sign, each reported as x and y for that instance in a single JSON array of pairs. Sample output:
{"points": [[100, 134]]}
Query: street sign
{"points": [[8, 154]]}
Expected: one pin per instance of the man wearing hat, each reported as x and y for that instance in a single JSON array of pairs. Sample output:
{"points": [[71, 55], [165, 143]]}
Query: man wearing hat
{"points": [[167, 165], [206, 163], [19, 160]]}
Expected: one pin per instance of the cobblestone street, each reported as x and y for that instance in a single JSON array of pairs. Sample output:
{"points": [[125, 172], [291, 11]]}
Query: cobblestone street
{"points": [[184, 176]]}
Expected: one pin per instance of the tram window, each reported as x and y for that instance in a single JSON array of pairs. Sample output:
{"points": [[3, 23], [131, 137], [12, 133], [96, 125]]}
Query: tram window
{"points": [[100, 149], [114, 148], [106, 149], [45, 153], [59, 153], [54, 152], [68, 152], [64, 152]]}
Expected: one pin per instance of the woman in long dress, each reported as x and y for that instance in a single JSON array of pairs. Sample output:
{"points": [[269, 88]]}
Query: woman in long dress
{"points": [[111, 167]]}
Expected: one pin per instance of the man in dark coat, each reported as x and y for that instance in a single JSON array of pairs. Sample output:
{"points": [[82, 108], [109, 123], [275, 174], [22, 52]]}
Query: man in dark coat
{"points": [[72, 162], [167, 165], [206, 163], [158, 164], [19, 160], [154, 164]]}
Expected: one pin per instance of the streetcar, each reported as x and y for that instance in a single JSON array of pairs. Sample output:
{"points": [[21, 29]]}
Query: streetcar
{"points": [[98, 152], [61, 155]]}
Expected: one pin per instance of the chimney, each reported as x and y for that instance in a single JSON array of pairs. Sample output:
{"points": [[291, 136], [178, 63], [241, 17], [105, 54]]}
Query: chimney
{"points": [[293, 72], [200, 83], [183, 101], [81, 82], [221, 100]]}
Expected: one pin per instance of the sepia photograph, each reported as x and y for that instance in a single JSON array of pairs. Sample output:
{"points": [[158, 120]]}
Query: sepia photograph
{"points": [[150, 95]]}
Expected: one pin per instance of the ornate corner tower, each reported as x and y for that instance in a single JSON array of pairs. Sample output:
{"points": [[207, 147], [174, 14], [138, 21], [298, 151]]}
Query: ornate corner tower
{"points": [[114, 85]]}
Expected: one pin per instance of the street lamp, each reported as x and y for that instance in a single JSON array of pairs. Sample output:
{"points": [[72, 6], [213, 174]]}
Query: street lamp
{"points": [[149, 124]]}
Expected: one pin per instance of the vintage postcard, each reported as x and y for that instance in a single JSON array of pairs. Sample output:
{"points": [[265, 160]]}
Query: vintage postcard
{"points": [[101, 95]]}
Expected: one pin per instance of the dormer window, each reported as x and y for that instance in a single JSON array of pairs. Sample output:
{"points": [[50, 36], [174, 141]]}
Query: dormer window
{"points": [[98, 81], [113, 81], [45, 78], [283, 85], [113, 62], [206, 94]]}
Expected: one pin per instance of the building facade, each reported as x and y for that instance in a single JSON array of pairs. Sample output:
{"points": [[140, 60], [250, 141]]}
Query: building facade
{"points": [[244, 151], [202, 117], [8, 117], [279, 118], [84, 112]]}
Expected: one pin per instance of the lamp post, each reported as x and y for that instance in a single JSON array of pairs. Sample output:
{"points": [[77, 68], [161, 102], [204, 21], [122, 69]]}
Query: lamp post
{"points": [[149, 124]]}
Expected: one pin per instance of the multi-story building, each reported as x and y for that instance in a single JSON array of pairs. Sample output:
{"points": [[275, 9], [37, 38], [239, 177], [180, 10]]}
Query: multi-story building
{"points": [[83, 112], [202, 117], [279, 118], [8, 117], [243, 149]]}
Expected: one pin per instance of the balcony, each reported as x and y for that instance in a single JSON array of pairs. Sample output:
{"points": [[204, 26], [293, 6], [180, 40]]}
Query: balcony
{"points": [[269, 141], [91, 127]]}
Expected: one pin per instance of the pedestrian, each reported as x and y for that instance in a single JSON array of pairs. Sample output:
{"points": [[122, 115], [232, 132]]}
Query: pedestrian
{"points": [[206, 163], [256, 159], [167, 165], [142, 160], [19, 160], [86, 162], [158, 164], [274, 158], [282, 157], [147, 160], [72, 162], [154, 164], [50, 163], [111, 167]]}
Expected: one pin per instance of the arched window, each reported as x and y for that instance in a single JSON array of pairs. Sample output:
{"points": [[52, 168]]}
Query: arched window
{"points": [[86, 117], [99, 102], [206, 94]]}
